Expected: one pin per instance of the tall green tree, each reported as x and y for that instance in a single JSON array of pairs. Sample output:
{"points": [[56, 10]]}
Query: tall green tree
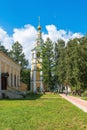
{"points": [[47, 63], [17, 55], [59, 60], [72, 62], [82, 63], [25, 77]]}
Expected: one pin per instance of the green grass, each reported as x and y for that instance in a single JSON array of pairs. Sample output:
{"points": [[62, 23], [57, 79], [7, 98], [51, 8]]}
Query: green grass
{"points": [[84, 98], [41, 112]]}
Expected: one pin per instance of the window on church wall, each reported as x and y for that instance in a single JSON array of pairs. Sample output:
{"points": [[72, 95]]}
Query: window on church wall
{"points": [[37, 67], [15, 80], [32, 55], [38, 75], [38, 54], [11, 79], [8, 81]]}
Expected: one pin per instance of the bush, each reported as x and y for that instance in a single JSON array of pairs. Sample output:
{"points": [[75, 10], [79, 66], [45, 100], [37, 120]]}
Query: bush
{"points": [[84, 94]]}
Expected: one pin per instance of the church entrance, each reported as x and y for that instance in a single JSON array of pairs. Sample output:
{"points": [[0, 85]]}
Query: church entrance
{"points": [[4, 77]]}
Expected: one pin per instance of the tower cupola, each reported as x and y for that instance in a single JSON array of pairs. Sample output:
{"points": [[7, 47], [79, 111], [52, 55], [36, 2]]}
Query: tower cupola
{"points": [[39, 33]]}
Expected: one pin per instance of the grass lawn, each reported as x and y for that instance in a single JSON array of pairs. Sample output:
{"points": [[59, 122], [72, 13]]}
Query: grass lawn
{"points": [[41, 112], [84, 98]]}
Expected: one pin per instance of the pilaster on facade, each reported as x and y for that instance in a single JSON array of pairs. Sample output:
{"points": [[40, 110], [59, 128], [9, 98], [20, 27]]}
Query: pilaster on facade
{"points": [[34, 80], [10, 76], [41, 80], [31, 77], [41, 86], [35, 54], [18, 79], [5, 67]]}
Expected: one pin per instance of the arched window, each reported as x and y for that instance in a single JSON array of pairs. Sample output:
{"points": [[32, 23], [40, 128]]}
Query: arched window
{"points": [[38, 54]]}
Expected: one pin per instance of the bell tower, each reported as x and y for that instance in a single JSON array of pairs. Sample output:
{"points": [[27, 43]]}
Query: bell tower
{"points": [[36, 73]]}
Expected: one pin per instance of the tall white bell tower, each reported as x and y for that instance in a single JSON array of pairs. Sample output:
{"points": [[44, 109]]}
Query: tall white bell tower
{"points": [[36, 73]]}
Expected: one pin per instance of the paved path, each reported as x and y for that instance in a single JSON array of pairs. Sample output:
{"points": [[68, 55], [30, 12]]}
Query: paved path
{"points": [[76, 101]]}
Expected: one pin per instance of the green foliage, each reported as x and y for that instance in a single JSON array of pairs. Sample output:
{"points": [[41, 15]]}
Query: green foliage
{"points": [[3, 49], [59, 61], [17, 55], [25, 77], [47, 62], [71, 63], [84, 94]]}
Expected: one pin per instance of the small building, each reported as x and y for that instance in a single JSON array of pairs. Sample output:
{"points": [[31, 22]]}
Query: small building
{"points": [[9, 74]]}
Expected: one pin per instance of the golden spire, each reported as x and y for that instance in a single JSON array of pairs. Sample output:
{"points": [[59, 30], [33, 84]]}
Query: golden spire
{"points": [[39, 20], [39, 27]]}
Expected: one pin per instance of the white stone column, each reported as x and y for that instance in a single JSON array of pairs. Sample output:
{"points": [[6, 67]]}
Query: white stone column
{"points": [[31, 74], [16, 80], [12, 77], [34, 75], [34, 81], [5, 68], [0, 75], [41, 82], [19, 78], [41, 78], [35, 55]]}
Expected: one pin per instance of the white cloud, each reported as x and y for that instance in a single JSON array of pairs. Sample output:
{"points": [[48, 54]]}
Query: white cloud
{"points": [[78, 35], [54, 34], [27, 37], [5, 39]]}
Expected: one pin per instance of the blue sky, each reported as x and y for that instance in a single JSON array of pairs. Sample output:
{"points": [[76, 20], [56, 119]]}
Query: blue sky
{"points": [[64, 14], [64, 19]]}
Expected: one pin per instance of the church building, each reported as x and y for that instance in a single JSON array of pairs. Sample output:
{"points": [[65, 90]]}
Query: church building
{"points": [[36, 73], [10, 84], [9, 73]]}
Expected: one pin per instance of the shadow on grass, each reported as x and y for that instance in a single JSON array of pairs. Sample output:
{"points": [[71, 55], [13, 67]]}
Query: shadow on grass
{"points": [[32, 97], [26, 97]]}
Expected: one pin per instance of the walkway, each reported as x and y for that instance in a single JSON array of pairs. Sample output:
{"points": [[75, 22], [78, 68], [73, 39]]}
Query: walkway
{"points": [[76, 101]]}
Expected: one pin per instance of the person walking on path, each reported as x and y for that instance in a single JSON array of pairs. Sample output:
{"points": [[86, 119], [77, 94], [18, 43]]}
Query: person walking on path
{"points": [[66, 90]]}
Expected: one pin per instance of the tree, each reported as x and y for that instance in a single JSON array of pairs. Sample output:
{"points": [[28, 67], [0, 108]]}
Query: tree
{"points": [[25, 77], [72, 62], [3, 49], [47, 63], [77, 55], [60, 61], [17, 55], [82, 62]]}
